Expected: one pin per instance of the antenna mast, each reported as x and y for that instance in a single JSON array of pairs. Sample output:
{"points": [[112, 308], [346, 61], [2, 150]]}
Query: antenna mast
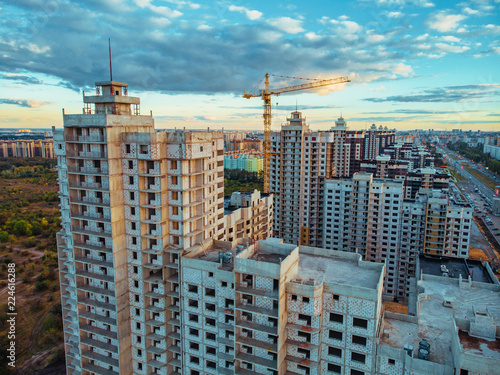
{"points": [[110, 65]]}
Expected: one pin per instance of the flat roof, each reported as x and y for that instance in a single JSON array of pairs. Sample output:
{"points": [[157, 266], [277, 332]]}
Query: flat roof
{"points": [[479, 346], [431, 265], [435, 321], [337, 270], [211, 254]]}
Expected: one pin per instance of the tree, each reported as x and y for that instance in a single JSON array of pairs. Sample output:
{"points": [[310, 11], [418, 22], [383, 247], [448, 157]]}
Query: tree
{"points": [[22, 228]]}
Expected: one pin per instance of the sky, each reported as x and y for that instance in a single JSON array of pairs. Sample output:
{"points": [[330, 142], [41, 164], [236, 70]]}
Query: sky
{"points": [[412, 63]]}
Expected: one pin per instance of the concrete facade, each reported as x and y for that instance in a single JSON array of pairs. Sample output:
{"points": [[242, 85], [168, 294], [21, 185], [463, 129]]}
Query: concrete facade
{"points": [[133, 201], [371, 217], [27, 149], [275, 308]]}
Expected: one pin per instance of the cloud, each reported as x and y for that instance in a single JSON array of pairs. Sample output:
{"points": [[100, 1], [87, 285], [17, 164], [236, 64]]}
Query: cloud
{"points": [[287, 24], [23, 79], [449, 48], [381, 88], [205, 118], [445, 94], [27, 103], [394, 14], [251, 14], [444, 21]]}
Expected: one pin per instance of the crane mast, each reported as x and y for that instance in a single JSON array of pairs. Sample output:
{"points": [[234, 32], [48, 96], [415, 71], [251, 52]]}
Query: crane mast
{"points": [[266, 97]]}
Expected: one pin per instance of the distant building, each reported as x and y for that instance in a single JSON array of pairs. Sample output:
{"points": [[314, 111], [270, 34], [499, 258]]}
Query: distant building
{"points": [[249, 163], [492, 146], [27, 149]]}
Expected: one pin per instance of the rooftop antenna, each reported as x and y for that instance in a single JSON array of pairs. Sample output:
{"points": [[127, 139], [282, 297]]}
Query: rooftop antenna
{"points": [[110, 65], [295, 105]]}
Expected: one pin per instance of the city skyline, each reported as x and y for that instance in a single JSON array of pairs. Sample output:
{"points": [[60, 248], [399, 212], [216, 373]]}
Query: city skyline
{"points": [[412, 64]]}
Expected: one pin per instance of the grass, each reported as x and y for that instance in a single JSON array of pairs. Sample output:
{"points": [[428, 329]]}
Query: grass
{"points": [[481, 177], [456, 175]]}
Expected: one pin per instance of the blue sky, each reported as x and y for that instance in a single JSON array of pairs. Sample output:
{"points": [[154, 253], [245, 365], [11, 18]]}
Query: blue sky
{"points": [[412, 63]]}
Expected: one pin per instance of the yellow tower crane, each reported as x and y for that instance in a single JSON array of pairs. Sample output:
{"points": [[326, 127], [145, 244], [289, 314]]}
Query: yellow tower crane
{"points": [[266, 97]]}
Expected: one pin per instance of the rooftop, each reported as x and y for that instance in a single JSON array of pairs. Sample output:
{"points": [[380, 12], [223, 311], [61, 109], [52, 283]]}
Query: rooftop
{"points": [[336, 270], [478, 346], [435, 321], [431, 265]]}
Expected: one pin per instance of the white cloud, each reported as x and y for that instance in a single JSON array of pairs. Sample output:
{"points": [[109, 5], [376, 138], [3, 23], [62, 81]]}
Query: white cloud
{"points": [[374, 38], [443, 21], [394, 14], [312, 36], [449, 48], [343, 17], [470, 11], [204, 27], [251, 14], [422, 37], [287, 24], [34, 48], [450, 38]]}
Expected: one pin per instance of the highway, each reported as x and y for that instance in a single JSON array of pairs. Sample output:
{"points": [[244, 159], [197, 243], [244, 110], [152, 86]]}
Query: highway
{"points": [[468, 187]]}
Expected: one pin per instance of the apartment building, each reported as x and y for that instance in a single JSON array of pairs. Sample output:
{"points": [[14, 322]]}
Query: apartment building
{"points": [[301, 159], [248, 215], [274, 308], [27, 149], [371, 217], [266, 309], [133, 201]]}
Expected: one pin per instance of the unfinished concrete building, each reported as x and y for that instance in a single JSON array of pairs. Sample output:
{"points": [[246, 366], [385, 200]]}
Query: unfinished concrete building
{"points": [[133, 200], [275, 308], [248, 215], [27, 149], [371, 217]]}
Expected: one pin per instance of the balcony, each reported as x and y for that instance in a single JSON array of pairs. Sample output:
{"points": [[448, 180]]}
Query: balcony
{"points": [[99, 331], [84, 138], [99, 357]]}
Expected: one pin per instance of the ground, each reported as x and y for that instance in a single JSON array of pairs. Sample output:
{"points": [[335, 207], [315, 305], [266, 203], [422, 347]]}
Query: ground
{"points": [[29, 220]]}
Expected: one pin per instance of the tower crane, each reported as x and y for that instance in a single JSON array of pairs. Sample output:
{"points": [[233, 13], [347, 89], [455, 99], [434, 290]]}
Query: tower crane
{"points": [[266, 97]]}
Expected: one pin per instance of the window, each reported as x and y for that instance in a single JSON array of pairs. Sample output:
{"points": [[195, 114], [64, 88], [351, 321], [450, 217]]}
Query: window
{"points": [[130, 164], [193, 332], [336, 297], [336, 369], [193, 318], [195, 360], [132, 195], [359, 340], [131, 180], [358, 357], [305, 299], [361, 323], [336, 352], [211, 364], [194, 345], [336, 335], [132, 210], [336, 318], [211, 350], [393, 362], [294, 297], [357, 372], [192, 288]]}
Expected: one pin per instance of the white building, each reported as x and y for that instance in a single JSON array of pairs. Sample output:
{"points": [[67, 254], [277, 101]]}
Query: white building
{"points": [[133, 201]]}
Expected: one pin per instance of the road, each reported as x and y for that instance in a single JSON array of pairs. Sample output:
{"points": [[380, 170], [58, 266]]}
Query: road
{"points": [[468, 187]]}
